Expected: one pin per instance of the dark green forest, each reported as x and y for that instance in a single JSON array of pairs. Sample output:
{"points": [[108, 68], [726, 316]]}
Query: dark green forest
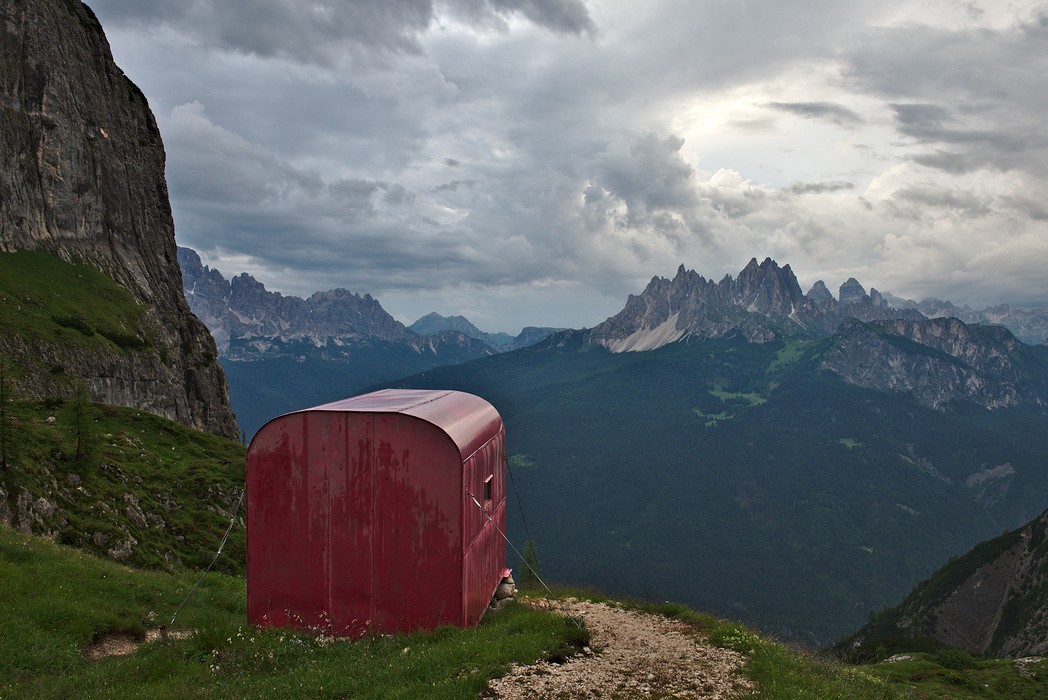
{"points": [[739, 478]]}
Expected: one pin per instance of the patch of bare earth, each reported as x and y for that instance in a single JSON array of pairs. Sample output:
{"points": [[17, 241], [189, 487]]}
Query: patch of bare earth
{"points": [[124, 643], [640, 655]]}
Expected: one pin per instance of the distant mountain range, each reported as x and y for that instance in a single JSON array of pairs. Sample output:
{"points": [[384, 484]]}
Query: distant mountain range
{"points": [[1028, 325], [282, 353], [765, 302], [433, 323], [353, 342], [249, 322], [870, 342]]}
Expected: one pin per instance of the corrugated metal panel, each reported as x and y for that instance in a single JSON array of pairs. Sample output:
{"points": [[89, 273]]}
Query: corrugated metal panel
{"points": [[358, 517], [417, 535]]}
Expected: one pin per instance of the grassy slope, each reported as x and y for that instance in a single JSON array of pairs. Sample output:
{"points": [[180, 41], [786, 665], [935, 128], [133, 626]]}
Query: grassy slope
{"points": [[166, 489], [44, 299], [59, 600]]}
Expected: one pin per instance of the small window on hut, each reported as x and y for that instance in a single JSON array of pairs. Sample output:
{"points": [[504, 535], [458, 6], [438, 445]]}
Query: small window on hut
{"points": [[487, 488]]}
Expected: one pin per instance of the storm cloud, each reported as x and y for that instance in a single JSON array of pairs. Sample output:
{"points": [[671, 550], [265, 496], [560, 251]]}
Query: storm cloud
{"points": [[533, 162]]}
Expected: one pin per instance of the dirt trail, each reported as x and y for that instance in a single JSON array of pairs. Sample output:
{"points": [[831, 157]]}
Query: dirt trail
{"points": [[640, 655]]}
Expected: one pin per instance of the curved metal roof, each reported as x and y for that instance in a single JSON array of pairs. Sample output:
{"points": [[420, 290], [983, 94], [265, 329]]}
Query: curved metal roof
{"points": [[468, 420]]}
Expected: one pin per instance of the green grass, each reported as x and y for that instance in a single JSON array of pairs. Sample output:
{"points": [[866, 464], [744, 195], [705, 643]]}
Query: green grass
{"points": [[751, 398], [939, 675], [45, 299], [59, 600], [713, 418], [168, 487], [792, 351]]}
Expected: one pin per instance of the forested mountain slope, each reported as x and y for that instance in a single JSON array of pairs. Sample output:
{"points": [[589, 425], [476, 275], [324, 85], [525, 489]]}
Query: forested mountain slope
{"points": [[750, 477]]}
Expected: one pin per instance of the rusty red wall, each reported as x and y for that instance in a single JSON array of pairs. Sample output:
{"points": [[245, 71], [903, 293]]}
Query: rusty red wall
{"points": [[360, 520], [417, 536]]}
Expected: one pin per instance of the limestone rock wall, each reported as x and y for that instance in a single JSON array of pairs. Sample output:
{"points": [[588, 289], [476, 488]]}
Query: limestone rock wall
{"points": [[82, 176]]}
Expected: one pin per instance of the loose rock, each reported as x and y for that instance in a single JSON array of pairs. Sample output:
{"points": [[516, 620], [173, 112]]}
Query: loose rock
{"points": [[640, 655]]}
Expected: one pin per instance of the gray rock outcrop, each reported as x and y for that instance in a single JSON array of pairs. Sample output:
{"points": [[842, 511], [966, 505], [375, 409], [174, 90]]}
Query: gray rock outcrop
{"points": [[82, 177], [936, 361]]}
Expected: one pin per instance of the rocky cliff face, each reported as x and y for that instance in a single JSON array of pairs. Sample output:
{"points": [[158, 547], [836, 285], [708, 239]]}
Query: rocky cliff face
{"points": [[82, 176], [993, 600], [938, 361], [249, 322], [763, 303]]}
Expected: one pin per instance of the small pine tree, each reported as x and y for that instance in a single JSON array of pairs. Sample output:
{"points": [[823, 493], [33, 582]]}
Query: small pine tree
{"points": [[530, 566], [10, 437], [80, 427]]}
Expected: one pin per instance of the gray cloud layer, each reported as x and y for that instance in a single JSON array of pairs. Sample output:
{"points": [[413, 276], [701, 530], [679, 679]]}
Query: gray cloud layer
{"points": [[534, 161], [320, 31]]}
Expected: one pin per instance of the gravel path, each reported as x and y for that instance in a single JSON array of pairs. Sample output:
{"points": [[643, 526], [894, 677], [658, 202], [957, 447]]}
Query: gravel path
{"points": [[639, 655]]}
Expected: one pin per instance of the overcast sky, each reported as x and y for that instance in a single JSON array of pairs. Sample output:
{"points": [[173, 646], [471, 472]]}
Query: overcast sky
{"points": [[533, 162]]}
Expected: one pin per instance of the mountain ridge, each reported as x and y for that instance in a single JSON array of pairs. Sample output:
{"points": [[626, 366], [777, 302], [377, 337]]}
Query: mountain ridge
{"points": [[764, 302], [432, 323], [992, 600], [952, 361], [248, 321], [1029, 325]]}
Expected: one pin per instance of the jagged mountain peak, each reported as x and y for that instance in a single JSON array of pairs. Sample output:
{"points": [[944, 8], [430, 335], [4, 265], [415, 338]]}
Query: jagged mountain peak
{"points": [[762, 303], [851, 292], [819, 294], [767, 287]]}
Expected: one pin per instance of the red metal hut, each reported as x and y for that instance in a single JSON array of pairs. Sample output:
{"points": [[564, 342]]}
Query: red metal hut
{"points": [[360, 513]]}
